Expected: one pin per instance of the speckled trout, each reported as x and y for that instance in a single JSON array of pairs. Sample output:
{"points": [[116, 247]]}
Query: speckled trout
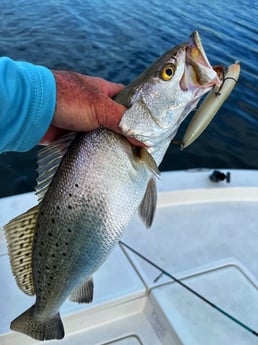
{"points": [[91, 184]]}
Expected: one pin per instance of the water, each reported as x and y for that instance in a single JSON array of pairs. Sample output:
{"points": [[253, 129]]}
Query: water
{"points": [[117, 40]]}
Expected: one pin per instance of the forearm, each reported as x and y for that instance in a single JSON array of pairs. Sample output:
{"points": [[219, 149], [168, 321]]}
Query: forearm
{"points": [[27, 104]]}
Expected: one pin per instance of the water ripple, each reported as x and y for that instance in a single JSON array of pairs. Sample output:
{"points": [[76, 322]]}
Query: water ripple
{"points": [[118, 39]]}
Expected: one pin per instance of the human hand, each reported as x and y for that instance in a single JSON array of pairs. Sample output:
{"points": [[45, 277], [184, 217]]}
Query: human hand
{"points": [[83, 103]]}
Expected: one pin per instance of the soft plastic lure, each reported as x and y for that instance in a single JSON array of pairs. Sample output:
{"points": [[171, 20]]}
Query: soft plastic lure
{"points": [[210, 106]]}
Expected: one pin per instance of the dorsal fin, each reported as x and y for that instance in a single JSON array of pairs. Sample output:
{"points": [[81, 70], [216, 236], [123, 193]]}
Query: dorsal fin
{"points": [[19, 233], [49, 159], [148, 205]]}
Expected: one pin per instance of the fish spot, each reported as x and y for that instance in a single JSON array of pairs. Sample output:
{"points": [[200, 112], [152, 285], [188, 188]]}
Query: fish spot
{"points": [[70, 207], [50, 234], [42, 243], [69, 230], [40, 254], [57, 244], [39, 271], [70, 194], [48, 284], [53, 256], [58, 207], [54, 266], [64, 254], [76, 185], [21, 235], [47, 267], [51, 277], [53, 220], [66, 243], [42, 213]]}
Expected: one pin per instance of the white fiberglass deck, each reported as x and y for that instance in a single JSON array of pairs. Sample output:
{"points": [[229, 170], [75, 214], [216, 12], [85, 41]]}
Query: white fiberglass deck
{"points": [[205, 234]]}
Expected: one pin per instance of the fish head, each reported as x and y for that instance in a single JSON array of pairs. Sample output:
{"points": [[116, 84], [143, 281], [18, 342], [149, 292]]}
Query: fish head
{"points": [[162, 96]]}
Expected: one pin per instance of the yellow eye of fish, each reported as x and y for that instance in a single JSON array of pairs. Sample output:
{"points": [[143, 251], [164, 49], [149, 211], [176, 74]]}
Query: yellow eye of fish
{"points": [[168, 72]]}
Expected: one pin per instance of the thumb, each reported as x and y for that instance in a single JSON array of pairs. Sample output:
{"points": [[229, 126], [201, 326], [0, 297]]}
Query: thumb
{"points": [[109, 113]]}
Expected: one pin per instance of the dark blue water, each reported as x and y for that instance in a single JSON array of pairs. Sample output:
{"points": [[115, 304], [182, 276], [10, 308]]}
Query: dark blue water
{"points": [[117, 40]]}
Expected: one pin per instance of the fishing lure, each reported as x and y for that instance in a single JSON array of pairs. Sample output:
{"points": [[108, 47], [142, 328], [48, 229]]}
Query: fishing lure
{"points": [[210, 106]]}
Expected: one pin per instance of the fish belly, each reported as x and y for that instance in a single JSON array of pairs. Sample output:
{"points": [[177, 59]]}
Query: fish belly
{"points": [[93, 196]]}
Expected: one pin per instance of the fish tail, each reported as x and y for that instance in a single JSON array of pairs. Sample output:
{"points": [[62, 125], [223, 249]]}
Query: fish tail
{"points": [[29, 324]]}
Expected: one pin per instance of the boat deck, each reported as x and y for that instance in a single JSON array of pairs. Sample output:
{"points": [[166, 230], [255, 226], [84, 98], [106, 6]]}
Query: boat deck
{"points": [[204, 234]]}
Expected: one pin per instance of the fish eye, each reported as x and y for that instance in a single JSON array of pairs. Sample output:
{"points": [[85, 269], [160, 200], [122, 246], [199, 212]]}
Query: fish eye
{"points": [[168, 72]]}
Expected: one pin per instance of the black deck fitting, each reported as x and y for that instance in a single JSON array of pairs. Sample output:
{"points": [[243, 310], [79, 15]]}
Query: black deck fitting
{"points": [[218, 176]]}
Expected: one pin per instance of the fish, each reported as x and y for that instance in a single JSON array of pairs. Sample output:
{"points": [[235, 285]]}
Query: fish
{"points": [[91, 184]]}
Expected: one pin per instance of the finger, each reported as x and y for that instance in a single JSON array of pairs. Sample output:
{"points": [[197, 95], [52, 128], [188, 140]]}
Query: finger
{"points": [[109, 113], [106, 87], [110, 89], [52, 134], [112, 118]]}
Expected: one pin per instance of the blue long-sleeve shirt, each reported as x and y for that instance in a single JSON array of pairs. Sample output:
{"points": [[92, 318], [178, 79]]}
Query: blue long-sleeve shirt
{"points": [[27, 104]]}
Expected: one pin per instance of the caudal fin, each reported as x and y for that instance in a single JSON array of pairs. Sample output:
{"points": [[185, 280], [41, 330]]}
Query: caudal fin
{"points": [[38, 329]]}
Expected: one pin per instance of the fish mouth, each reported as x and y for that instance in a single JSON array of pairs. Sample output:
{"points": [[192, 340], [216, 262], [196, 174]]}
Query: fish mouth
{"points": [[198, 71]]}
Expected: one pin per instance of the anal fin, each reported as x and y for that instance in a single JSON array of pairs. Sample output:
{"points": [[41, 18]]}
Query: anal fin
{"points": [[83, 294]]}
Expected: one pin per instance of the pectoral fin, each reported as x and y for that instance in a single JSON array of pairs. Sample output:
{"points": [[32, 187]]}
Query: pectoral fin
{"points": [[83, 294], [148, 205], [146, 158], [19, 233]]}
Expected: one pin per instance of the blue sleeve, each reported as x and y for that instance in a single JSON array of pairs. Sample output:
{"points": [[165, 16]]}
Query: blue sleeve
{"points": [[27, 104]]}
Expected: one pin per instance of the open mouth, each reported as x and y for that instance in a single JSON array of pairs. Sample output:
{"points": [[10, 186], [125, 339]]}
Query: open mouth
{"points": [[198, 71]]}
